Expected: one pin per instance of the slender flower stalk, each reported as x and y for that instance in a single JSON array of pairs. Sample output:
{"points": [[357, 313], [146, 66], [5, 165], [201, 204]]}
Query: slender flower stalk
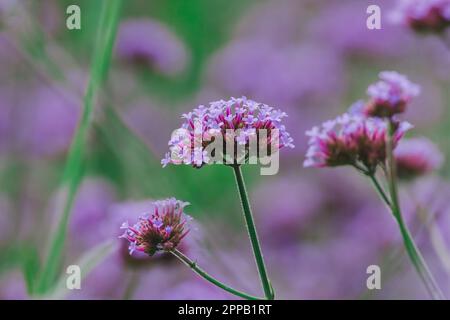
{"points": [[162, 230], [411, 248], [253, 235], [193, 265], [392, 203], [379, 189]]}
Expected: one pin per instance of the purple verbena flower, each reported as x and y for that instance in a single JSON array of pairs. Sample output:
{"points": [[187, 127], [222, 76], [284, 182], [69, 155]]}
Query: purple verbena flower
{"points": [[245, 118], [423, 15], [350, 140], [416, 157], [150, 43], [390, 95], [161, 230]]}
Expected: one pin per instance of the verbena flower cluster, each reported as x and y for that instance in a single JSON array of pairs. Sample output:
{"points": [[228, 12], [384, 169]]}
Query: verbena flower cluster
{"points": [[423, 15], [358, 138], [416, 157], [245, 118], [388, 96], [350, 140], [160, 230]]}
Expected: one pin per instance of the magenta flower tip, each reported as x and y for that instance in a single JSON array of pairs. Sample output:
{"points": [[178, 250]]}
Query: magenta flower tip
{"points": [[160, 230], [416, 157]]}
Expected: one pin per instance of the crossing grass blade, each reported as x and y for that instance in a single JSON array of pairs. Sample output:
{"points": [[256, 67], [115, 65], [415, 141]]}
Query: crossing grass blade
{"points": [[73, 171], [87, 263]]}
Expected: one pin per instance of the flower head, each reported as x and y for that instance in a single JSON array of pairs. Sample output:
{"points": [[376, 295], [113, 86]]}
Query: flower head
{"points": [[417, 156], [161, 230], [350, 139], [152, 44], [423, 15], [235, 122], [389, 96]]}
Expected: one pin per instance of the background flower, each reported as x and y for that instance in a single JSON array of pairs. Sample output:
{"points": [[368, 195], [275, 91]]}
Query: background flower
{"points": [[423, 16], [417, 156], [152, 44]]}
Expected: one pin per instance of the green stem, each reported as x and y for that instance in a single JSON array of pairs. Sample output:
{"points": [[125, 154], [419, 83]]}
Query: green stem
{"points": [[191, 264], [379, 189], [411, 248], [268, 290]]}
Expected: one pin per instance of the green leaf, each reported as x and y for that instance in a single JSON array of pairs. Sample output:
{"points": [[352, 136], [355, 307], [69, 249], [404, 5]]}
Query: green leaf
{"points": [[30, 264], [73, 172]]}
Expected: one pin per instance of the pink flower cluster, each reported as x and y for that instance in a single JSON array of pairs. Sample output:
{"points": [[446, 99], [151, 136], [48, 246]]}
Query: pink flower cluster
{"points": [[416, 157], [389, 96], [161, 230], [245, 118], [358, 138], [423, 15], [350, 139]]}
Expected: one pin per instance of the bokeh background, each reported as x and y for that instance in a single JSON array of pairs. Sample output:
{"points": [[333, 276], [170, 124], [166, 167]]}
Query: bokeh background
{"points": [[320, 229]]}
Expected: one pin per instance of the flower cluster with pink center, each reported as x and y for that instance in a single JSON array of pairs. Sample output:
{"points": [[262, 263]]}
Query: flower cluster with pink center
{"points": [[350, 139], [416, 157], [389, 96], [158, 231], [423, 15], [245, 117]]}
